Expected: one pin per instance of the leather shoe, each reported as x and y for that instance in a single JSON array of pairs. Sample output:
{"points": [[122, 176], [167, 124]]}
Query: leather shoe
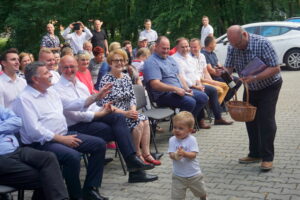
{"points": [[141, 176], [247, 160], [92, 193], [222, 122], [134, 163], [266, 166], [203, 125]]}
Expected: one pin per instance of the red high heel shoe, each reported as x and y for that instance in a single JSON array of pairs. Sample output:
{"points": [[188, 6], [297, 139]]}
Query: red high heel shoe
{"points": [[150, 159]]}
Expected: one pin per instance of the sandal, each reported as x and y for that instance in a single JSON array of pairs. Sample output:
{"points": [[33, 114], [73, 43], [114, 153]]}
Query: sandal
{"points": [[150, 159], [142, 159]]}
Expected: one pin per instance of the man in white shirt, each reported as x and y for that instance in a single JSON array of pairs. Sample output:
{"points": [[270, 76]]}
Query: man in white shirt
{"points": [[45, 128], [191, 73], [47, 56], [206, 79], [149, 33], [10, 84], [78, 37], [25, 167], [206, 30], [97, 121]]}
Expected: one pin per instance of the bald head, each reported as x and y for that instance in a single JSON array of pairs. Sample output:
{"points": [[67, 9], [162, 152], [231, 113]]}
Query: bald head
{"points": [[67, 59], [97, 25], [162, 47], [237, 37], [68, 67]]}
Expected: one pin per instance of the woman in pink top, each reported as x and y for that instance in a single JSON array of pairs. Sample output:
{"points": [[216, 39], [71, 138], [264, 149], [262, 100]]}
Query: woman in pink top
{"points": [[83, 73]]}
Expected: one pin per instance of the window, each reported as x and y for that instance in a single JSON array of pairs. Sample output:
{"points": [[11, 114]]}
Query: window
{"points": [[251, 30], [269, 31]]}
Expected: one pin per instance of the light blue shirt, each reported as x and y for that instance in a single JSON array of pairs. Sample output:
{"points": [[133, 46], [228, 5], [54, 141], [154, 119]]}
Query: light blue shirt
{"points": [[165, 70], [9, 125]]}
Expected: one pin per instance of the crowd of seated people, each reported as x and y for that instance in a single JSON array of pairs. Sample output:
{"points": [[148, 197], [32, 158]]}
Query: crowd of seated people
{"points": [[79, 97]]}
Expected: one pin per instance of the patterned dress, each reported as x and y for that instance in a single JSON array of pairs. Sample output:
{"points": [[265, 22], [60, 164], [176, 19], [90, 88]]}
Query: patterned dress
{"points": [[121, 95]]}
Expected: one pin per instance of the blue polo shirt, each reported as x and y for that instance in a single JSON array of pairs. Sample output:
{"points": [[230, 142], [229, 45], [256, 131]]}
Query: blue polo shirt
{"points": [[166, 70], [211, 57]]}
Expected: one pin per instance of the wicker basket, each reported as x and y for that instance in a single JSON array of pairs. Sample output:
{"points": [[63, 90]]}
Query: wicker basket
{"points": [[241, 111]]}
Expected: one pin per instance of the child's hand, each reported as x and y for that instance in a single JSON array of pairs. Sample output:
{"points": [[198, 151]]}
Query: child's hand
{"points": [[180, 152]]}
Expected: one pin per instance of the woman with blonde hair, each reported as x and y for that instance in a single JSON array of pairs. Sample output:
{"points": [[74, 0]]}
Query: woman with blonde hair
{"points": [[24, 59], [113, 46], [124, 102], [83, 73]]}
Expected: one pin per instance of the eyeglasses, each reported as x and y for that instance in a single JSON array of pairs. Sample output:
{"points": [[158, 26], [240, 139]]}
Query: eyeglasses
{"points": [[67, 67], [118, 60]]}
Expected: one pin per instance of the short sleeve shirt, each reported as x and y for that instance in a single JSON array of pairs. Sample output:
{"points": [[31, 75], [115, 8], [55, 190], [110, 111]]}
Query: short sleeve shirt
{"points": [[50, 42], [205, 31], [98, 38], [185, 167], [211, 57], [260, 47], [165, 70]]}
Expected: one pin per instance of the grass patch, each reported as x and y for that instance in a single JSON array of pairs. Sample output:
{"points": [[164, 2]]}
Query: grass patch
{"points": [[3, 42]]}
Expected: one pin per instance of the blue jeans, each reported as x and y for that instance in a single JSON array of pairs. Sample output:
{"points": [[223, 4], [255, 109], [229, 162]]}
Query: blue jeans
{"points": [[213, 101], [69, 159], [111, 127], [193, 104]]}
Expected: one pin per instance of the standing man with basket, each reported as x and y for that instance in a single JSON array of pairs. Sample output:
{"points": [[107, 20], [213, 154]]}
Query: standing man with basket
{"points": [[264, 88]]}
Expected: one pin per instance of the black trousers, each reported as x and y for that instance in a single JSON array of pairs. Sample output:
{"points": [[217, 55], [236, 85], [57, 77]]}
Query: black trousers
{"points": [[69, 159], [28, 168], [262, 130], [111, 127]]}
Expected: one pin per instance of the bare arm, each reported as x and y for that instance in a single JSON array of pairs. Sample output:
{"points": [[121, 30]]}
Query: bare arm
{"points": [[190, 155], [183, 82], [106, 46], [213, 71]]}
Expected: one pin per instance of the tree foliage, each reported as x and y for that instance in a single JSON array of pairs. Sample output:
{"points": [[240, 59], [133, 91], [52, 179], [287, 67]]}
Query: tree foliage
{"points": [[25, 20]]}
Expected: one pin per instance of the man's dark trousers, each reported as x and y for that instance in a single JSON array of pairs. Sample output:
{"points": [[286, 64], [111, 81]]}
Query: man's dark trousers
{"points": [[69, 158], [193, 104], [111, 127], [28, 168], [262, 130]]}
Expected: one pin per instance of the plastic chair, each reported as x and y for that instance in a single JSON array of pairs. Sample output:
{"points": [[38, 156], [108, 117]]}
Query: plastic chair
{"points": [[154, 114]]}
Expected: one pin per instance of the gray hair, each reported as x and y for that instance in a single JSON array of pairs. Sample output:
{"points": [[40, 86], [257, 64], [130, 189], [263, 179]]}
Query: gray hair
{"points": [[31, 71]]}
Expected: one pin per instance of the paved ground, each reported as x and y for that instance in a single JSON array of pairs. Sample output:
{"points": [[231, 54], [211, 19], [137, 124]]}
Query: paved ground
{"points": [[221, 146]]}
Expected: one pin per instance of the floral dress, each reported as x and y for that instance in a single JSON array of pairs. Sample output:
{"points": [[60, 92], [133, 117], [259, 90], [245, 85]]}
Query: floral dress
{"points": [[121, 95]]}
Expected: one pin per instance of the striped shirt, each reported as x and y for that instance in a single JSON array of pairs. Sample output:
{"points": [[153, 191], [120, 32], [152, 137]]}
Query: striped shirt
{"points": [[260, 47]]}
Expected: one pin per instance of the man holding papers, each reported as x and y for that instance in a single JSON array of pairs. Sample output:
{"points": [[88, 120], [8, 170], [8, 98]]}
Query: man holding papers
{"points": [[264, 86]]}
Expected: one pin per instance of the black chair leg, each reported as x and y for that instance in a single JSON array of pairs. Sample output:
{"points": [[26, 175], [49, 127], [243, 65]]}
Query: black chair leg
{"points": [[20, 194], [121, 160], [85, 160], [153, 126]]}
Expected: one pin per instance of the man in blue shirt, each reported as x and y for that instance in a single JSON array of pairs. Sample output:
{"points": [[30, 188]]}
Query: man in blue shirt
{"points": [[27, 168], [215, 68], [167, 85], [264, 89]]}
